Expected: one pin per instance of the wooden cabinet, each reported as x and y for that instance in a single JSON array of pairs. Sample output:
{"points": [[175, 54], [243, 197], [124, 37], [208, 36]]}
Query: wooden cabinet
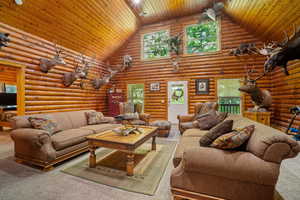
{"points": [[261, 117], [113, 103]]}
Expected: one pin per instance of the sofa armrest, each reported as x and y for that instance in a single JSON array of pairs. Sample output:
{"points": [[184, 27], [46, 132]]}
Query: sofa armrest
{"points": [[273, 148], [185, 118], [237, 165], [110, 120], [145, 117], [34, 137], [33, 143]]}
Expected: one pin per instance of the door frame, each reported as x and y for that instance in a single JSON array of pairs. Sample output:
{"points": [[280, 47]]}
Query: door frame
{"points": [[20, 83], [167, 95], [243, 96]]}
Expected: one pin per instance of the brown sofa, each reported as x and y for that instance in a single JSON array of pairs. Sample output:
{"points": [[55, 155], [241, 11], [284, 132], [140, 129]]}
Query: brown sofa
{"points": [[209, 173], [37, 147], [186, 121]]}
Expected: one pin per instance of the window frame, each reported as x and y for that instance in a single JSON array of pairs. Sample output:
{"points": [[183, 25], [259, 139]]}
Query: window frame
{"points": [[219, 39], [142, 45]]}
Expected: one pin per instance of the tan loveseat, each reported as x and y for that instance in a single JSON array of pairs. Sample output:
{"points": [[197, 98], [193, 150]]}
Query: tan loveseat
{"points": [[232, 175], [37, 147]]}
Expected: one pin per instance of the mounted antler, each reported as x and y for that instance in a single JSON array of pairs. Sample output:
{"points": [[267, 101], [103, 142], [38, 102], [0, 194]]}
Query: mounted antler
{"points": [[280, 54], [98, 82], [4, 39], [261, 98], [80, 72], [46, 64]]}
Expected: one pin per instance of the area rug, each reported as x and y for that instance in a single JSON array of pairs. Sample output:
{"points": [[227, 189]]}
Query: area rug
{"points": [[149, 168]]}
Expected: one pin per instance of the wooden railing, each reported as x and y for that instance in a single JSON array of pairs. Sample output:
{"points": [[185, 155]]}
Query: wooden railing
{"points": [[230, 105]]}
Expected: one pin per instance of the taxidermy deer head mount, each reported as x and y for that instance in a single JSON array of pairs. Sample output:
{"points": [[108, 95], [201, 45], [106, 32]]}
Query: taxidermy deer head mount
{"points": [[279, 54], [175, 47], [127, 61], [213, 12], [4, 39], [80, 72], [99, 82], [58, 59], [261, 98]]}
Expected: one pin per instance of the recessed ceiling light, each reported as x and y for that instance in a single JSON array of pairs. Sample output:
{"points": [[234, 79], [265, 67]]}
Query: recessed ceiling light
{"points": [[136, 1], [19, 2]]}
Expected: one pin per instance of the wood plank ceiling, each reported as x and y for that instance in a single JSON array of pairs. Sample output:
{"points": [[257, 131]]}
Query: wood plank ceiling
{"points": [[267, 19], [157, 10], [93, 27]]}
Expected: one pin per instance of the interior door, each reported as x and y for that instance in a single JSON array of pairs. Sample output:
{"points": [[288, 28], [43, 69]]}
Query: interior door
{"points": [[177, 100]]}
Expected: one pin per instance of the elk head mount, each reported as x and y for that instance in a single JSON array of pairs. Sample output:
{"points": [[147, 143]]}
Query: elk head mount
{"points": [[4, 39], [279, 54], [261, 98], [80, 72], [48, 64]]}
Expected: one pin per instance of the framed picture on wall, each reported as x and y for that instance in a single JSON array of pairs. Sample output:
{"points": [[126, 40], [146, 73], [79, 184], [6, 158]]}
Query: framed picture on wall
{"points": [[202, 86], [154, 86]]}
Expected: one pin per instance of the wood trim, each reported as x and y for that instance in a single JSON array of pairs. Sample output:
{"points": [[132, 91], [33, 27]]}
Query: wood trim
{"points": [[20, 83], [180, 194], [134, 11]]}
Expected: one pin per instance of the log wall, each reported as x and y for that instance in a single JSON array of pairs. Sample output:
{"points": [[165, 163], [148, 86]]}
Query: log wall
{"points": [[192, 67], [45, 92]]}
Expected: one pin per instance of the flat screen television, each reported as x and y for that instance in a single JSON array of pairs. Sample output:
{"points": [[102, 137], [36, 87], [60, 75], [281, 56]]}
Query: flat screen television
{"points": [[8, 99]]}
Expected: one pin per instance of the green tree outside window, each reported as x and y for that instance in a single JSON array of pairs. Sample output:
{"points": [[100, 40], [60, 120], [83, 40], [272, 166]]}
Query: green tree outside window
{"points": [[155, 45], [202, 37]]}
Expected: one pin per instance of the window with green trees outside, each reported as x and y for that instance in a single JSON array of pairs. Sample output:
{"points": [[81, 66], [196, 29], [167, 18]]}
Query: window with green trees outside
{"points": [[229, 97], [155, 45], [135, 93], [202, 38]]}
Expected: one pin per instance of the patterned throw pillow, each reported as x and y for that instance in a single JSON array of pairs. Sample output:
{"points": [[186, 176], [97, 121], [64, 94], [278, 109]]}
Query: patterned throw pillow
{"points": [[48, 125], [215, 132], [233, 139], [95, 118]]}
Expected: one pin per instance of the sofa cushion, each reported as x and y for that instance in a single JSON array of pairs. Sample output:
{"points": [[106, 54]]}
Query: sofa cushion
{"points": [[45, 124], [233, 139], [69, 138], [100, 127], [185, 142], [194, 132], [215, 132], [78, 118]]}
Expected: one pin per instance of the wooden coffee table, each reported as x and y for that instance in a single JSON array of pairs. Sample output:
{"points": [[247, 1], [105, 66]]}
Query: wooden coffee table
{"points": [[128, 144]]}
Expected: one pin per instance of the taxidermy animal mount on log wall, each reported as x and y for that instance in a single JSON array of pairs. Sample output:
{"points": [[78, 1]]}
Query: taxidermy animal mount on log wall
{"points": [[58, 59], [80, 72], [261, 98], [244, 48], [4, 39], [212, 13], [99, 82], [279, 54], [175, 47], [127, 61]]}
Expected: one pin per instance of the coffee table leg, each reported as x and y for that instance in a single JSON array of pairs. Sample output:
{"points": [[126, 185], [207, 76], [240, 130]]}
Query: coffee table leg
{"points": [[153, 143], [92, 157], [130, 164]]}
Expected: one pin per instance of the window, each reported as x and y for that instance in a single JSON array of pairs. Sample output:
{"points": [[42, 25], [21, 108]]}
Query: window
{"points": [[135, 93], [229, 97], [155, 45], [10, 88], [202, 38]]}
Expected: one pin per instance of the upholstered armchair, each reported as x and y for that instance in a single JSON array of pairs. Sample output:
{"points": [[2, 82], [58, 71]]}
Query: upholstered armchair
{"points": [[128, 111], [186, 121]]}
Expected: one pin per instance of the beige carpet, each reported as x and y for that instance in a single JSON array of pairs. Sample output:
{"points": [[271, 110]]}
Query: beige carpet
{"points": [[149, 168]]}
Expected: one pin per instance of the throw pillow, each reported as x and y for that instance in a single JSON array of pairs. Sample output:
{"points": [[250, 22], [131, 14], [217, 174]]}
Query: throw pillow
{"points": [[48, 125], [234, 139], [131, 116], [212, 134], [208, 121], [95, 118]]}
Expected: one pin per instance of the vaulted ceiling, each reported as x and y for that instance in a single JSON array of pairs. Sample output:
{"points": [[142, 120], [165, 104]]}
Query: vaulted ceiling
{"points": [[100, 27]]}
